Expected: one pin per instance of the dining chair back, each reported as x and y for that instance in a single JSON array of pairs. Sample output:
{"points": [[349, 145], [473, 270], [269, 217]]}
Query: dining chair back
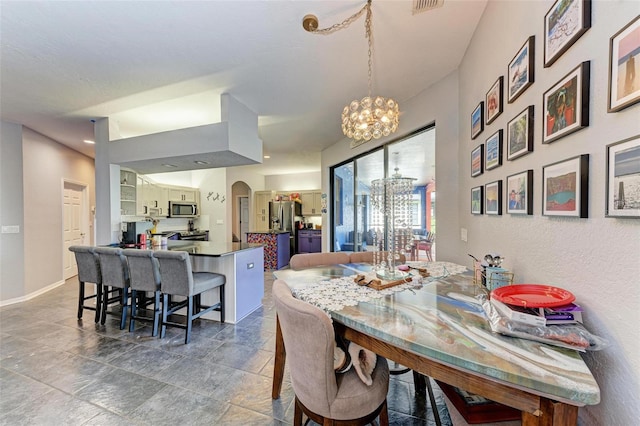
{"points": [[88, 272], [308, 260], [309, 340], [178, 279], [115, 278], [144, 276]]}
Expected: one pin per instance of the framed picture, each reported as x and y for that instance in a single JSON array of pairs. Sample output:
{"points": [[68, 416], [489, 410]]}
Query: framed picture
{"points": [[476, 161], [476, 200], [565, 187], [520, 134], [520, 193], [623, 178], [493, 198], [493, 151], [477, 120], [624, 67], [564, 23], [494, 100], [520, 73], [566, 105]]}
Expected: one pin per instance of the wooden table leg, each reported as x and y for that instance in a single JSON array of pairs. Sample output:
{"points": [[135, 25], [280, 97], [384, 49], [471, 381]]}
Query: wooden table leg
{"points": [[552, 413], [278, 363]]}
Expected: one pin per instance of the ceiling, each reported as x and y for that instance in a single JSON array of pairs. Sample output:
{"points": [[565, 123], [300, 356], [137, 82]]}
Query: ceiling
{"points": [[154, 66]]}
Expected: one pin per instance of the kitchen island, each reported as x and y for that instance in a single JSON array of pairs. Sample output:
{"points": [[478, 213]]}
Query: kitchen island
{"points": [[239, 262], [277, 247]]}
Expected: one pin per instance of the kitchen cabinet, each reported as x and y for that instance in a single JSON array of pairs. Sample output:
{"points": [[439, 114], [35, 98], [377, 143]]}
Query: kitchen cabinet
{"points": [[309, 241], [184, 194], [262, 199], [141, 183], [128, 192], [156, 199], [311, 203]]}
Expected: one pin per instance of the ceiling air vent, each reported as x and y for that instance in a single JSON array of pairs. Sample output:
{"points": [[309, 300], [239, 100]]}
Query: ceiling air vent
{"points": [[425, 5]]}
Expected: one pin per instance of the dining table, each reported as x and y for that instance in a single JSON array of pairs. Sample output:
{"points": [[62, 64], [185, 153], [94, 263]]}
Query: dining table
{"points": [[436, 326]]}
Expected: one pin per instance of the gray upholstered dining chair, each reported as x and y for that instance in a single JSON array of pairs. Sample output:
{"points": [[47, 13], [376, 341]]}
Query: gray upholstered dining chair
{"points": [[326, 398], [307, 260], [144, 276], [115, 277], [177, 279], [88, 272]]}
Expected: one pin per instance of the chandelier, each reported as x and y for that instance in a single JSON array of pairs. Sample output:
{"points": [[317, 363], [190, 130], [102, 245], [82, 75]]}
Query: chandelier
{"points": [[372, 116]]}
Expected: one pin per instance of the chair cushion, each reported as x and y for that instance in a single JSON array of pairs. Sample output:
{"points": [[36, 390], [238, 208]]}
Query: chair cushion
{"points": [[354, 398], [203, 281]]}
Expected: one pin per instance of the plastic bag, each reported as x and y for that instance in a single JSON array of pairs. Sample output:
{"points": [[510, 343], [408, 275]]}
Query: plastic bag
{"points": [[572, 336]]}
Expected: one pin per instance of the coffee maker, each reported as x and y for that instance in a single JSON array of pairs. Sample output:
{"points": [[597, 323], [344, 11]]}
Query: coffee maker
{"points": [[130, 235]]}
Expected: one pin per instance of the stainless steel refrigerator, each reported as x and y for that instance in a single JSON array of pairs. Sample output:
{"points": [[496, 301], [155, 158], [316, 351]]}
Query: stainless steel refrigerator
{"points": [[283, 216]]}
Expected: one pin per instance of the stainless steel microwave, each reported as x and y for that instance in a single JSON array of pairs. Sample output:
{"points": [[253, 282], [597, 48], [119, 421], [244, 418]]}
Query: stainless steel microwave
{"points": [[182, 209]]}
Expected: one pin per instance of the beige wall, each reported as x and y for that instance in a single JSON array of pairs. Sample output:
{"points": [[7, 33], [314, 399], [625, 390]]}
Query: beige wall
{"points": [[46, 165], [11, 212]]}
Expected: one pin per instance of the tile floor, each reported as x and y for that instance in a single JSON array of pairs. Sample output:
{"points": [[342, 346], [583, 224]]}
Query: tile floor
{"points": [[56, 370]]}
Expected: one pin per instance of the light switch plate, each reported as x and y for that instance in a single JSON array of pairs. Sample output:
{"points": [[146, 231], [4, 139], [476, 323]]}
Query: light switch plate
{"points": [[10, 229], [219, 222], [463, 234]]}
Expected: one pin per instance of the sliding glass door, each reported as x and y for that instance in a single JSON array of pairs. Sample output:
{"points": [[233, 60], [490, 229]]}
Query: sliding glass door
{"points": [[351, 214]]}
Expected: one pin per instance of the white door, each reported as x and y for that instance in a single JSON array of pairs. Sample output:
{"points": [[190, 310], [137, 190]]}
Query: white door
{"points": [[244, 218], [73, 202]]}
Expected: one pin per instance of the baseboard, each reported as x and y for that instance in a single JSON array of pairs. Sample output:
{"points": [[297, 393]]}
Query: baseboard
{"points": [[31, 295]]}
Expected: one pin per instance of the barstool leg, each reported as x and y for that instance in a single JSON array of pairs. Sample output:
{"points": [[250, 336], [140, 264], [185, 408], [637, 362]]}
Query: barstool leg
{"points": [[98, 302], [156, 313], [80, 299], [105, 304], [190, 307], [222, 303], [165, 307], [125, 307], [134, 310]]}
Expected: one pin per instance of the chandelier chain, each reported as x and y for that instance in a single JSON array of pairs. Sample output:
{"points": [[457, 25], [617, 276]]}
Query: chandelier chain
{"points": [[344, 24], [367, 26]]}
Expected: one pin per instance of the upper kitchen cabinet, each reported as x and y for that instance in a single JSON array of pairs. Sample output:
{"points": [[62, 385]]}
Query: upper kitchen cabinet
{"points": [[311, 202], [156, 199], [184, 194], [262, 199], [128, 192]]}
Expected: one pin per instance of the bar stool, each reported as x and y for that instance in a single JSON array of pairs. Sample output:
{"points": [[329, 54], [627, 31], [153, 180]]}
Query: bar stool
{"points": [[88, 272], [144, 275], [115, 276], [177, 279]]}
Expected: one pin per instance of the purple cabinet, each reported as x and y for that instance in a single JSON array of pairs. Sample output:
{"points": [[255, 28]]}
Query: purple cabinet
{"points": [[309, 241]]}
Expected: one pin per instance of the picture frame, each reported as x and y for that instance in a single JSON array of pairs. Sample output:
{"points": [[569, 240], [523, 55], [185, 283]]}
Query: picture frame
{"points": [[477, 160], [493, 100], [520, 193], [564, 23], [566, 104], [623, 178], [624, 67], [493, 198], [477, 200], [520, 72], [520, 134], [493, 151], [477, 120], [565, 187]]}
